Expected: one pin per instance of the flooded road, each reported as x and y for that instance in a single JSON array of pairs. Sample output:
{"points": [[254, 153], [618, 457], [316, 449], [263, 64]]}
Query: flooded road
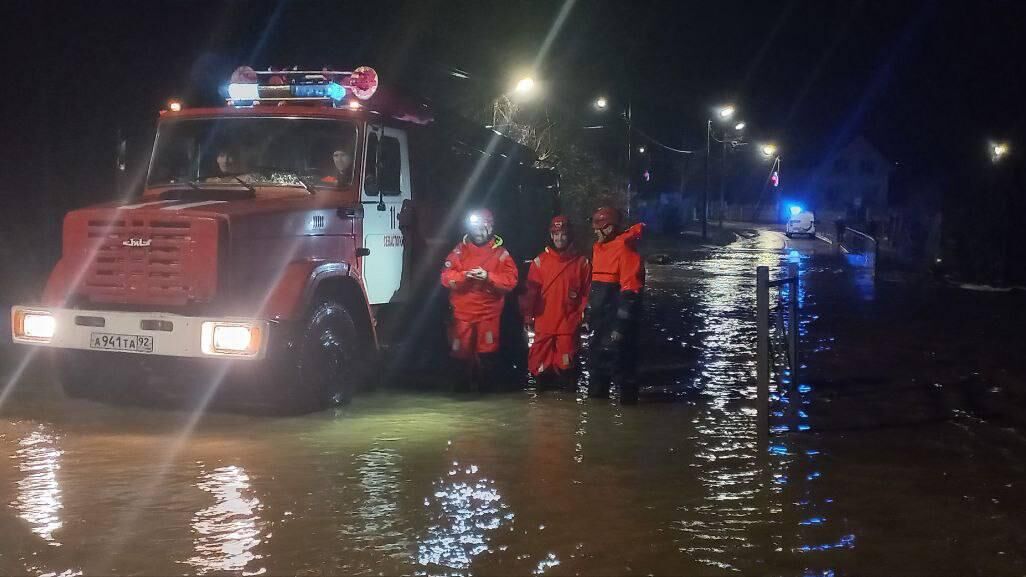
{"points": [[539, 483]]}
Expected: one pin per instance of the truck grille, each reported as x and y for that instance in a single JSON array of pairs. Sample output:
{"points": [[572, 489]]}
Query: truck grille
{"points": [[156, 260]]}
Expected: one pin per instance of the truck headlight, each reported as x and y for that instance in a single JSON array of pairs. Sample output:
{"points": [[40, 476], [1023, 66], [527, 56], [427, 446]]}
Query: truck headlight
{"points": [[38, 326], [233, 339]]}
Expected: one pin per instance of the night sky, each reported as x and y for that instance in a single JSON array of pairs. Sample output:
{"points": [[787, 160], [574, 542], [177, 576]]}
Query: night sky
{"points": [[927, 82]]}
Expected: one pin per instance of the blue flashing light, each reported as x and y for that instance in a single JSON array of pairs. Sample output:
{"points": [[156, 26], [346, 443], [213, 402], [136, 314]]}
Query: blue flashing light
{"points": [[795, 209], [331, 90], [243, 91], [813, 521]]}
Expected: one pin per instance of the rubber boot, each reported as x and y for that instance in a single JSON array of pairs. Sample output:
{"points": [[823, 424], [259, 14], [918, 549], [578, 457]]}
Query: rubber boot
{"points": [[628, 391], [598, 386]]}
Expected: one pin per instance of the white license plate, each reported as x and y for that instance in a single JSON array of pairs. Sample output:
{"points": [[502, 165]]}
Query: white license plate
{"points": [[128, 343]]}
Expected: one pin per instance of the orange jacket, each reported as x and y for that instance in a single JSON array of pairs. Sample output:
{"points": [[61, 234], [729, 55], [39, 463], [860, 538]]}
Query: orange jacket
{"points": [[475, 300], [557, 291], [618, 262]]}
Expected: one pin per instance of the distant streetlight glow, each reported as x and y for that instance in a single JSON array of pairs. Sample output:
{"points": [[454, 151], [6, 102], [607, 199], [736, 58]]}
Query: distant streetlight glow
{"points": [[999, 150], [739, 126], [641, 150], [769, 150], [725, 112], [601, 103]]}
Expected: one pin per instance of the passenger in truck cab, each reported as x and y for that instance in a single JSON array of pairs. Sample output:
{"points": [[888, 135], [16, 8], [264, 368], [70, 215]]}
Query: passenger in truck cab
{"points": [[340, 171], [478, 273]]}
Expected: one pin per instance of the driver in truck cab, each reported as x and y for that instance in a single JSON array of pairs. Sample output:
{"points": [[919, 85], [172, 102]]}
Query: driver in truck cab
{"points": [[226, 165], [478, 273]]}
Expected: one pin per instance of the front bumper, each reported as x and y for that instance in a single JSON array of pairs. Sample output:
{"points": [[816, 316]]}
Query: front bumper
{"points": [[172, 335]]}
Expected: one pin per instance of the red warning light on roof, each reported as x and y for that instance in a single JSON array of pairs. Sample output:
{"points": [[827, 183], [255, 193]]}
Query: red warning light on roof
{"points": [[363, 82]]}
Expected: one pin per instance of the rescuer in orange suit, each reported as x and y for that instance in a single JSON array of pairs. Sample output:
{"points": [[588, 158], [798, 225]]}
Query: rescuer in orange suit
{"points": [[478, 273], [557, 288], [614, 305]]}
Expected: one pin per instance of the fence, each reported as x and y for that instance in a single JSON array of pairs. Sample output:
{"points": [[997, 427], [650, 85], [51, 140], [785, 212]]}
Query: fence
{"points": [[790, 333], [859, 248]]}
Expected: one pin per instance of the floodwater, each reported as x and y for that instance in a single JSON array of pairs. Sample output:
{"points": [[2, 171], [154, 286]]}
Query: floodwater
{"points": [[543, 483]]}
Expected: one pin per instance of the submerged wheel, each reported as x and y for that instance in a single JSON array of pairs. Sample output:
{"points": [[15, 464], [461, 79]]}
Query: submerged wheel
{"points": [[331, 362], [75, 382]]}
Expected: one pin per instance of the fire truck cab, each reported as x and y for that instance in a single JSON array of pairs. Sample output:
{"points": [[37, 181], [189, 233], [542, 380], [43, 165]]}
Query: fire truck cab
{"points": [[277, 241]]}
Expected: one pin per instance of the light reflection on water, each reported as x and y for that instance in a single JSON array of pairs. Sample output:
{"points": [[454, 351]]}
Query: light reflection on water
{"points": [[39, 500], [718, 528], [226, 533], [465, 510]]}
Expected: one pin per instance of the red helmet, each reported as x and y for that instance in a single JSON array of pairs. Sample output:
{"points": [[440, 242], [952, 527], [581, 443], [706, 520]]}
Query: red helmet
{"points": [[604, 217], [560, 223], [481, 216]]}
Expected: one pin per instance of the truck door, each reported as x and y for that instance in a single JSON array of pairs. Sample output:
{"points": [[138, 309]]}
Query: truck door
{"points": [[386, 156]]}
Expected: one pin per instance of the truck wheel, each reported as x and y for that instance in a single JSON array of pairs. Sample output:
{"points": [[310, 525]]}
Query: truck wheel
{"points": [[331, 363], [74, 382], [77, 383]]}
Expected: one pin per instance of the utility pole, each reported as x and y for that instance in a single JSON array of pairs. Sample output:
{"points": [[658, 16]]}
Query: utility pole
{"points": [[628, 171], [723, 178], [705, 189]]}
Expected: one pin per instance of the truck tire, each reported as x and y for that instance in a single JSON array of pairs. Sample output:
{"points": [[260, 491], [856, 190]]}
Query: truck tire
{"points": [[331, 363], [74, 381]]}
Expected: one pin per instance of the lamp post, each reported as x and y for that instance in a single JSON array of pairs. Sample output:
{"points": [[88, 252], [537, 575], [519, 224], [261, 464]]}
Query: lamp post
{"points": [[723, 171], [769, 151], [601, 104], [723, 113]]}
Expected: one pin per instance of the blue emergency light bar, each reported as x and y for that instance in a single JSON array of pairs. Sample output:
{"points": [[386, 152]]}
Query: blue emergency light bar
{"points": [[248, 92]]}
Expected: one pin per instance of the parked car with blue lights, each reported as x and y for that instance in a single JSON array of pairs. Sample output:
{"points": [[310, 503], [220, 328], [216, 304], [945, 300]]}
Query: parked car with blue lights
{"points": [[801, 222]]}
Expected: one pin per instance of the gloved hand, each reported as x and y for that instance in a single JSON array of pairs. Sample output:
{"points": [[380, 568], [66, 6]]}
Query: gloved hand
{"points": [[611, 343]]}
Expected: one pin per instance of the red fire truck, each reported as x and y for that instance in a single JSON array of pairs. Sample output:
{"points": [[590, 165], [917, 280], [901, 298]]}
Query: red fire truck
{"points": [[281, 242]]}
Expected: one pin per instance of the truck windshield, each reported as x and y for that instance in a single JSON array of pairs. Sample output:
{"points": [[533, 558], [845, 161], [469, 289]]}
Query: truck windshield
{"points": [[255, 151]]}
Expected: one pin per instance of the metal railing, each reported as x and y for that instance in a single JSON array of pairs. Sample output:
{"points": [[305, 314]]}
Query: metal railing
{"points": [[790, 334], [859, 248]]}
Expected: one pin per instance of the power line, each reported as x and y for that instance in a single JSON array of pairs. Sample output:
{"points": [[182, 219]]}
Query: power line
{"points": [[660, 144]]}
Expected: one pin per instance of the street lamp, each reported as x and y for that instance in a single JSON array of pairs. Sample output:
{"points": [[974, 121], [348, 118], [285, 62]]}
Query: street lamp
{"points": [[724, 113], [769, 150], [999, 150], [524, 86], [739, 126], [641, 150], [602, 104]]}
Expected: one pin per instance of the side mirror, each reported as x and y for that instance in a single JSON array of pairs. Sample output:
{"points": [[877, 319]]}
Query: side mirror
{"points": [[370, 184]]}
